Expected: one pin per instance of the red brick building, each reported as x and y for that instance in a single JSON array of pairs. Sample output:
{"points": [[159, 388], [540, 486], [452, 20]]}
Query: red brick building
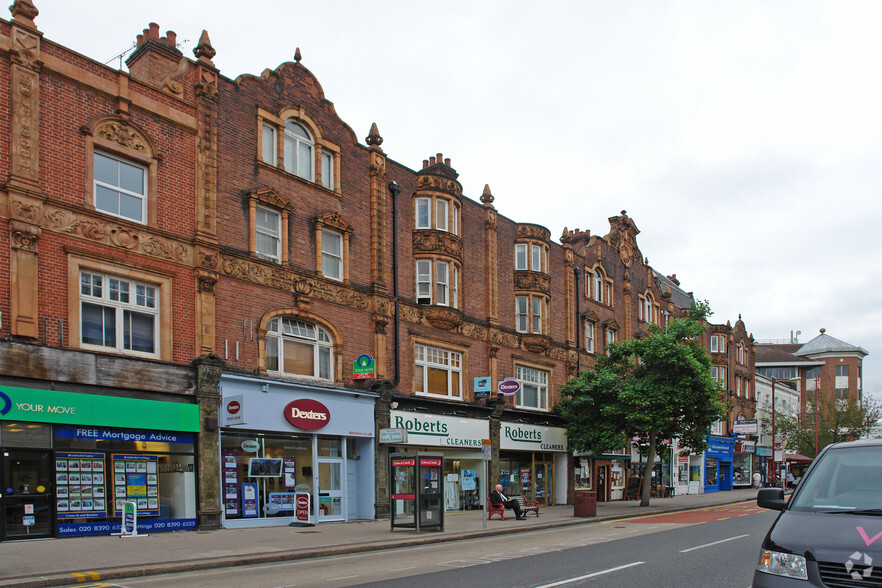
{"points": [[231, 252]]}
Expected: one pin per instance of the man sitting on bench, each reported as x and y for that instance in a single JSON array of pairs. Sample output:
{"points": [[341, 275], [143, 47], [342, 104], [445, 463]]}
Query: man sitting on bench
{"points": [[497, 497]]}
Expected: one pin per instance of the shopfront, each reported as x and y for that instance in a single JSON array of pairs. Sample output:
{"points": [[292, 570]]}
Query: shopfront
{"points": [[459, 440], [533, 462], [281, 438], [605, 474], [70, 461], [743, 464], [718, 464]]}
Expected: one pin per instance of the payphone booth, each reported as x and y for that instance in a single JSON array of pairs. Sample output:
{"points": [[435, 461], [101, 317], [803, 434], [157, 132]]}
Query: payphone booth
{"points": [[417, 491]]}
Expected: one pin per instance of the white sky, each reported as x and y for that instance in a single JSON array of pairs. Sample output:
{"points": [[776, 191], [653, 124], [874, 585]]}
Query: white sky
{"points": [[742, 137]]}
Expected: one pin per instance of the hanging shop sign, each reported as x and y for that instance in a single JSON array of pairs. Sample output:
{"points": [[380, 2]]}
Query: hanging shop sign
{"points": [[71, 408], [745, 427], [307, 414], [508, 387], [364, 368], [440, 431], [393, 435], [234, 410], [482, 387], [532, 437]]}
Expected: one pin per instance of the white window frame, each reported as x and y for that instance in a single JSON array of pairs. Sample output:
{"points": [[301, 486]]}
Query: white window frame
{"points": [[437, 282], [118, 189], [717, 428], [529, 314], [598, 282], [534, 378], [536, 258], [521, 259], [125, 299], [590, 327], [426, 358], [330, 259], [281, 329], [648, 308], [424, 281], [268, 152], [442, 208], [328, 170], [268, 234], [718, 344], [423, 213], [295, 145]]}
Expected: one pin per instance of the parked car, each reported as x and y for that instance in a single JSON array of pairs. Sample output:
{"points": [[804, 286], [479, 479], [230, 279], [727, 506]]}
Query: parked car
{"points": [[830, 531]]}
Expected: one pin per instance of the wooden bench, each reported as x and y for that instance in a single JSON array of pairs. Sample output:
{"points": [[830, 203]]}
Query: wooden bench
{"points": [[526, 506]]}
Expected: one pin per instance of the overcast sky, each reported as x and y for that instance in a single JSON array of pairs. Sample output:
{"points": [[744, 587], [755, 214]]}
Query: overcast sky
{"points": [[742, 137]]}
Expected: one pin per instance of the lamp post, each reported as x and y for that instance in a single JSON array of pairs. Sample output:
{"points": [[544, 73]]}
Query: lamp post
{"points": [[774, 461]]}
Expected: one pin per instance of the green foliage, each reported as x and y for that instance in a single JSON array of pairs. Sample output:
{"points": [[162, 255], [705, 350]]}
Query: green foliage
{"points": [[838, 420], [653, 388]]}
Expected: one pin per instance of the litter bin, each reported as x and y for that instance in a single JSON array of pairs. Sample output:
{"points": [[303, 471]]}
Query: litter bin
{"points": [[585, 503]]}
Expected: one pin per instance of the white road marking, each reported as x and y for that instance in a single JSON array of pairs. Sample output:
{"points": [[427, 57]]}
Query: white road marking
{"points": [[714, 543], [341, 578], [592, 575], [402, 569]]}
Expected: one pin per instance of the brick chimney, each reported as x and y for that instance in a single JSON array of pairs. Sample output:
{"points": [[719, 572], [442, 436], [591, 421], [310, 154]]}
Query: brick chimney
{"points": [[155, 57]]}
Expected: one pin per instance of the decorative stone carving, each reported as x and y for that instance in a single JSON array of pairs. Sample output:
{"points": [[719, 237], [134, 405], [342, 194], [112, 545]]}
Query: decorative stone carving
{"points": [[205, 281], [25, 49], [207, 260], [123, 134], [442, 317], [440, 184], [203, 51], [374, 139], [534, 232], [302, 287], [333, 220], [380, 323], [24, 12], [271, 197], [493, 351], [532, 281], [472, 330], [172, 82], [503, 339], [28, 211], [25, 135], [430, 241], [24, 236], [207, 85], [410, 314], [67, 222], [536, 343]]}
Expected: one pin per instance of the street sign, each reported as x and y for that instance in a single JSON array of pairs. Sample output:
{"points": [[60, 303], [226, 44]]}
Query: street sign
{"points": [[508, 387], [393, 435], [364, 368], [486, 449]]}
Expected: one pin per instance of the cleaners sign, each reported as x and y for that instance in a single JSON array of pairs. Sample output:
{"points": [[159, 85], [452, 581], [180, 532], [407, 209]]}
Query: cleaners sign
{"points": [[440, 431], [532, 437]]}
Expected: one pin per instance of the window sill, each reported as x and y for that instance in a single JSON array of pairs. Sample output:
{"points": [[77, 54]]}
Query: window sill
{"points": [[438, 396]]}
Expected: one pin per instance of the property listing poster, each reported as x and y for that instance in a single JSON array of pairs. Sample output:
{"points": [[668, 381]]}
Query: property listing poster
{"points": [[230, 481], [136, 479], [80, 485]]}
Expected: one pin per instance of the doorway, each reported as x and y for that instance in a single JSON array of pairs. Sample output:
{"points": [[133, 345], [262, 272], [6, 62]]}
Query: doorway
{"points": [[602, 483], [544, 494], [28, 502]]}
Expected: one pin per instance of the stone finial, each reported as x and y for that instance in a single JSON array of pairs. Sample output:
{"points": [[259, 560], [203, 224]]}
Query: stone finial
{"points": [[373, 139], [297, 56], [203, 51], [24, 12], [486, 197], [823, 331]]}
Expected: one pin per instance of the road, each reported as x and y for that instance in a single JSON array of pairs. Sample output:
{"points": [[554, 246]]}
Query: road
{"points": [[709, 547]]}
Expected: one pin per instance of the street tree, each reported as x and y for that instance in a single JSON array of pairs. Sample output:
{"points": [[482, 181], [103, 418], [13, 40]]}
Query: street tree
{"points": [[647, 389], [837, 420]]}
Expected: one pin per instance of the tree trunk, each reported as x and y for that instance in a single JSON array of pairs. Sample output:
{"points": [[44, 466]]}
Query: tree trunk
{"points": [[647, 472]]}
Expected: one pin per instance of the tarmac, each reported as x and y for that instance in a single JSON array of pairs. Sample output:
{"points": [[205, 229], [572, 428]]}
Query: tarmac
{"points": [[65, 561]]}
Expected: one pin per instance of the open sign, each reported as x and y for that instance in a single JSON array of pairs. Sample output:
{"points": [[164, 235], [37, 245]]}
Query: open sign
{"points": [[301, 507]]}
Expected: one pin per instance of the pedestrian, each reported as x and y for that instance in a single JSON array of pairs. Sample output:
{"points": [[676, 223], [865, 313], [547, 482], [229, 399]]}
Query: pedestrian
{"points": [[497, 498], [757, 480]]}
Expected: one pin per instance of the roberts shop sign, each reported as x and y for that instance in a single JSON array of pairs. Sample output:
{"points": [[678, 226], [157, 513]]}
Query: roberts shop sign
{"points": [[307, 414]]}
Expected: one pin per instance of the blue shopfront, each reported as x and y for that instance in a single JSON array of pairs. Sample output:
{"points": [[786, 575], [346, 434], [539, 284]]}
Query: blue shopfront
{"points": [[718, 464]]}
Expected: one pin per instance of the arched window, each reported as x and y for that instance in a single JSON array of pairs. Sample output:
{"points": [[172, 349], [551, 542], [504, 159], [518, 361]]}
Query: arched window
{"points": [[598, 285], [299, 146], [648, 307], [298, 348]]}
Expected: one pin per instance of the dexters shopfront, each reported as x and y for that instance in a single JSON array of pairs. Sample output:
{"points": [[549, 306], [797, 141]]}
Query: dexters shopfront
{"points": [[70, 461]]}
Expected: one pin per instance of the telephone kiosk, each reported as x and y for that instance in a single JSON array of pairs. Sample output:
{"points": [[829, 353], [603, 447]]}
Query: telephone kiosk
{"points": [[417, 491]]}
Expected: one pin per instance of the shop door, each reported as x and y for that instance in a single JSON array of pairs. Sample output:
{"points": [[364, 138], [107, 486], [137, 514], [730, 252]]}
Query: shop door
{"points": [[330, 489], [544, 483], [28, 503], [602, 483]]}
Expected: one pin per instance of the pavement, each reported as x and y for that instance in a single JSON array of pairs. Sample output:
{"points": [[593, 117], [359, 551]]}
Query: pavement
{"points": [[65, 561]]}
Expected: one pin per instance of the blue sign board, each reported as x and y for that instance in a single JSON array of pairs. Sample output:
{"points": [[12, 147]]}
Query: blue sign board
{"points": [[108, 434], [109, 527], [483, 386]]}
